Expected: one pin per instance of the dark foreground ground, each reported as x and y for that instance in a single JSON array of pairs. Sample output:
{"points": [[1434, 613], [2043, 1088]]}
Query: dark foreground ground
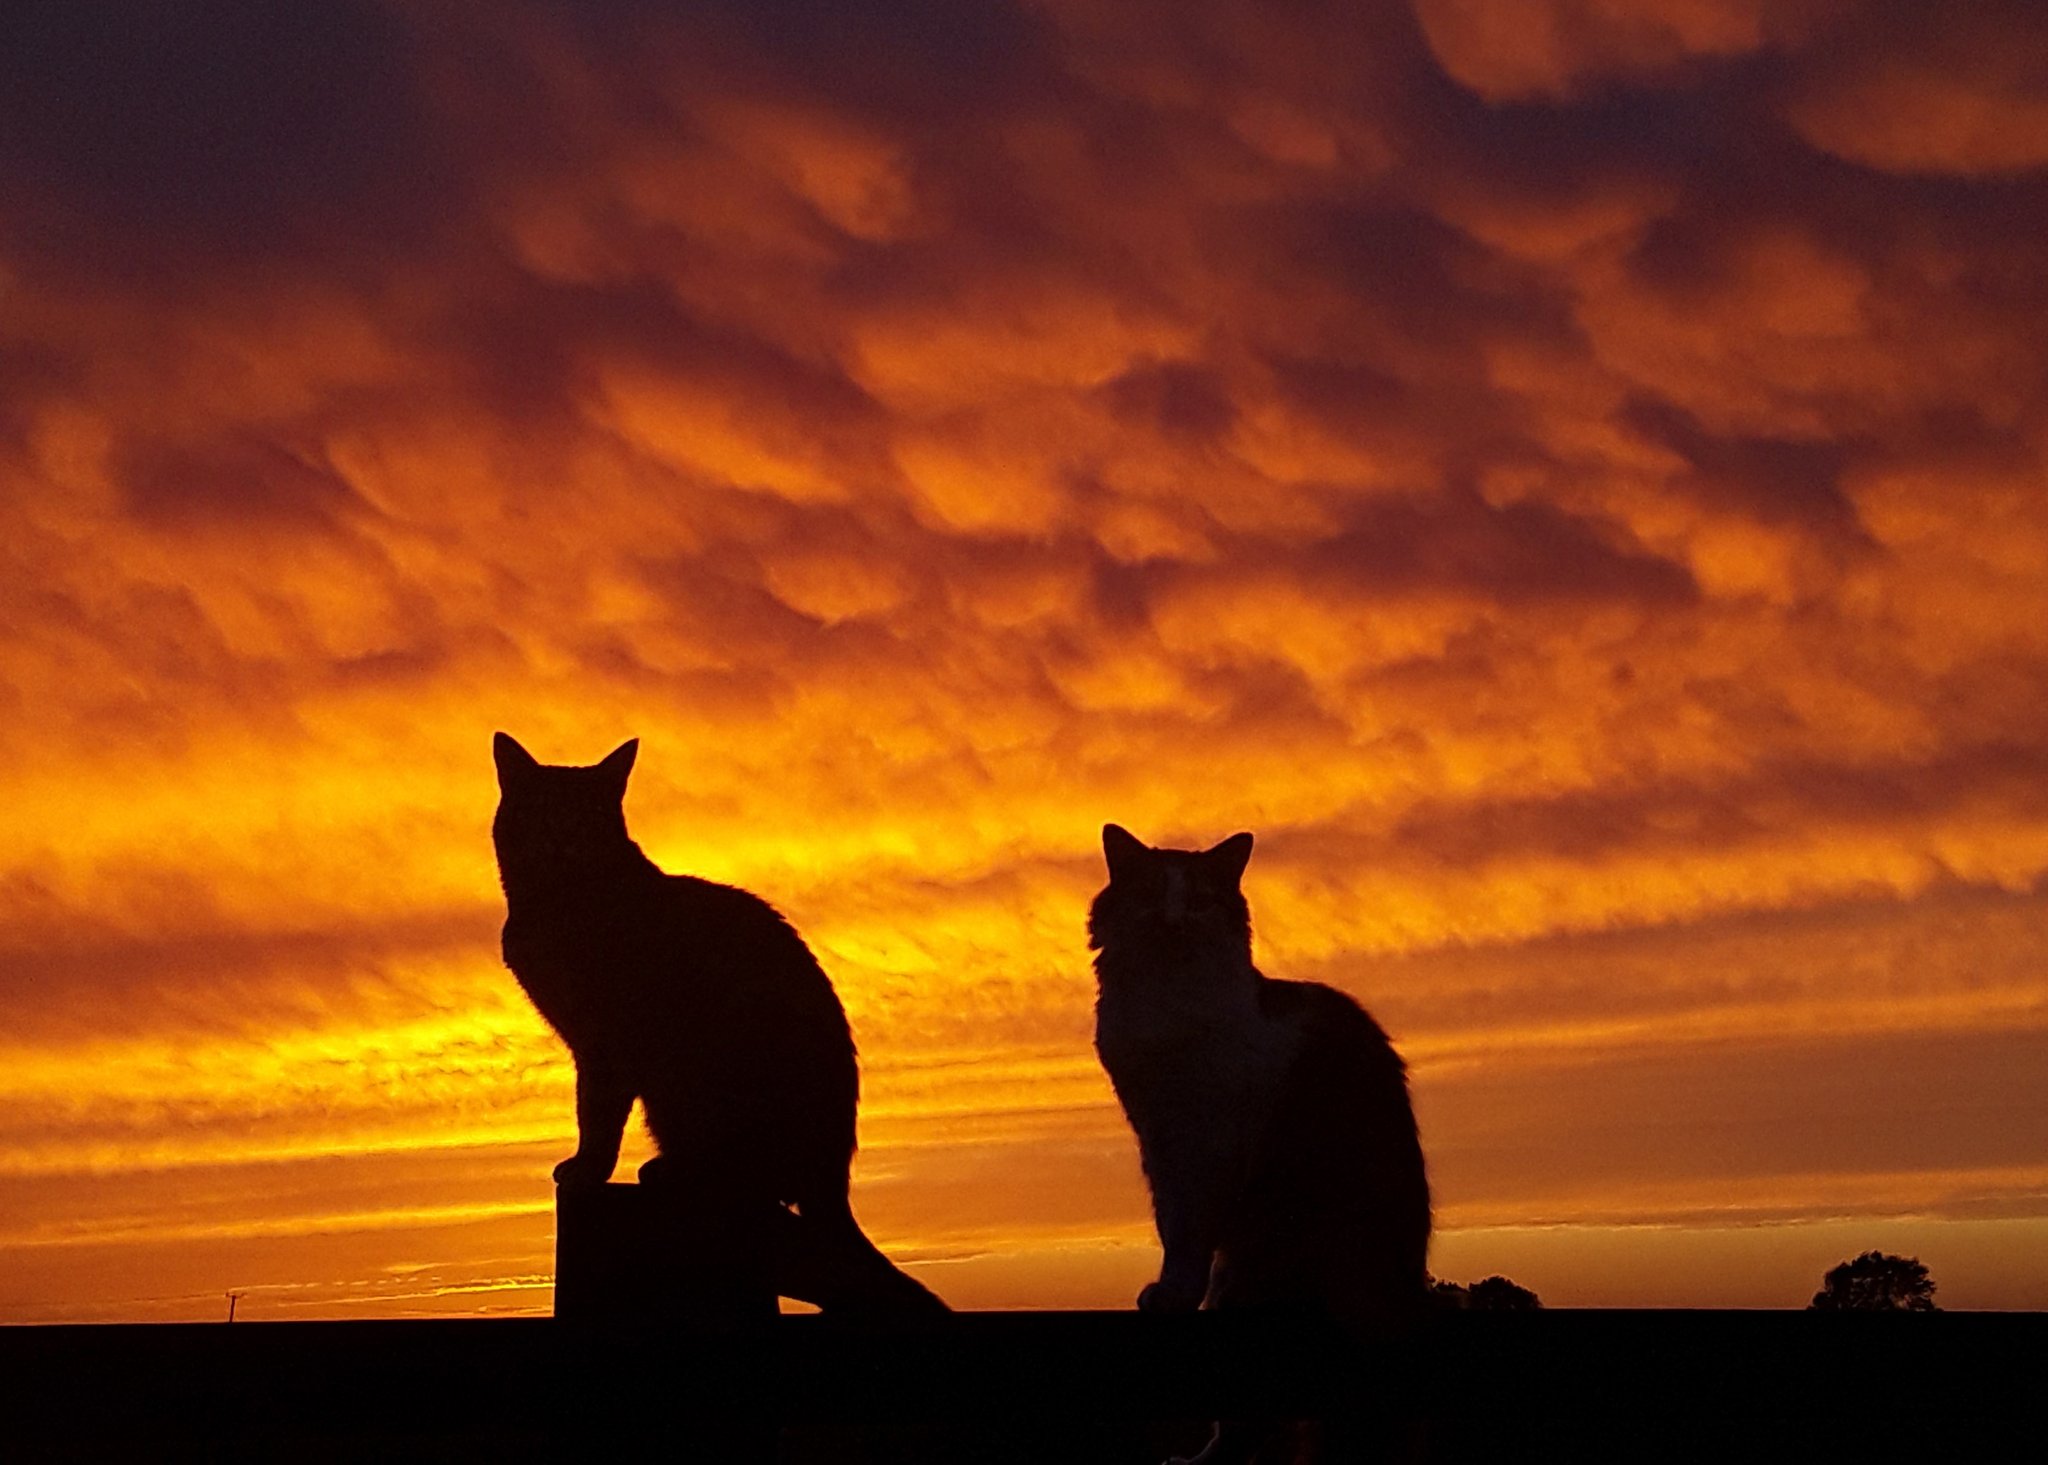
{"points": [[1072, 1388]]}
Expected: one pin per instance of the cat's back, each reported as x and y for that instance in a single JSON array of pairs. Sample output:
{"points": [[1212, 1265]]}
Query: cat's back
{"points": [[716, 920], [1346, 1078], [1333, 1026], [722, 947], [1343, 1121], [1337, 1205], [661, 945], [641, 915]]}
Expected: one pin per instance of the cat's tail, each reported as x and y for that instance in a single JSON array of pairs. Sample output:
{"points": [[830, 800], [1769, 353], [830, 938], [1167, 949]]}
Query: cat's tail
{"points": [[823, 1257]]}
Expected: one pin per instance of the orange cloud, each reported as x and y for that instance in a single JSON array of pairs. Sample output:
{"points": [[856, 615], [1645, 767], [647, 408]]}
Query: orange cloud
{"points": [[1952, 95], [1554, 48]]}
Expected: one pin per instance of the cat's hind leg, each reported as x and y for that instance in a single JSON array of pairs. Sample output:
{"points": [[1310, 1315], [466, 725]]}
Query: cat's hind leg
{"points": [[824, 1258]]}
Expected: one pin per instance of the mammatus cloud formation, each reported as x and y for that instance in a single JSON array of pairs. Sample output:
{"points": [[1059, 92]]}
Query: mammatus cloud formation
{"points": [[1568, 475]]}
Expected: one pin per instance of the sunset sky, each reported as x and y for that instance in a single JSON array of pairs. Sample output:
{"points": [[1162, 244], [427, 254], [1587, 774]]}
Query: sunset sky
{"points": [[1567, 474]]}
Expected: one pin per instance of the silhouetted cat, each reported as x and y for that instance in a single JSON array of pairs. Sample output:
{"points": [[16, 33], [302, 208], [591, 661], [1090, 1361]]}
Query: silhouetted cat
{"points": [[701, 1001], [1272, 1117]]}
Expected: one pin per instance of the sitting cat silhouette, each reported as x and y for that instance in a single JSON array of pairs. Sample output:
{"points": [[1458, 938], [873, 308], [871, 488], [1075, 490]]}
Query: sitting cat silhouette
{"points": [[1272, 1117], [702, 1002]]}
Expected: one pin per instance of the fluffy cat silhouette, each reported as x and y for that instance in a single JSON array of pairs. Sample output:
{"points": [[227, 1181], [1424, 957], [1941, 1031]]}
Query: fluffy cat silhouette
{"points": [[1272, 1117], [702, 1002]]}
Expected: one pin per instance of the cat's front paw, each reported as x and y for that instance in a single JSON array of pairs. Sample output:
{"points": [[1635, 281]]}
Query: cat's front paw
{"points": [[1164, 1296], [582, 1170]]}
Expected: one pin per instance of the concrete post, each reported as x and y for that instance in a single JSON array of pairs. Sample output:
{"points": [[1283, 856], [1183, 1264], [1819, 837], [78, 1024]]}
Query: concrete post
{"points": [[638, 1254]]}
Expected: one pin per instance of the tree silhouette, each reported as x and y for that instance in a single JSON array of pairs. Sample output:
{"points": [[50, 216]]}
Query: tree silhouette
{"points": [[1876, 1282], [1494, 1294], [1498, 1294]]}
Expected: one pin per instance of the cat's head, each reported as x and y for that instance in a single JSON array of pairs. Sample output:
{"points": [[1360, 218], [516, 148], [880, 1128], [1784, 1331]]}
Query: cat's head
{"points": [[559, 815], [1180, 902]]}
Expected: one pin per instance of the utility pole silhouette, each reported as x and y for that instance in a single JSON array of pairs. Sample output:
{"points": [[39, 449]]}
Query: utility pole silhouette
{"points": [[233, 1298]]}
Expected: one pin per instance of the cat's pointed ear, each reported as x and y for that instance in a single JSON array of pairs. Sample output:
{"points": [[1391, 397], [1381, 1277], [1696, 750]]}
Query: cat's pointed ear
{"points": [[1122, 849], [619, 761], [513, 761], [1231, 856]]}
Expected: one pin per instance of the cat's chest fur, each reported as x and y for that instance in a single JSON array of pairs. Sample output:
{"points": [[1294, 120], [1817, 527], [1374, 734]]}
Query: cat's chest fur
{"points": [[1182, 1049], [587, 961]]}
